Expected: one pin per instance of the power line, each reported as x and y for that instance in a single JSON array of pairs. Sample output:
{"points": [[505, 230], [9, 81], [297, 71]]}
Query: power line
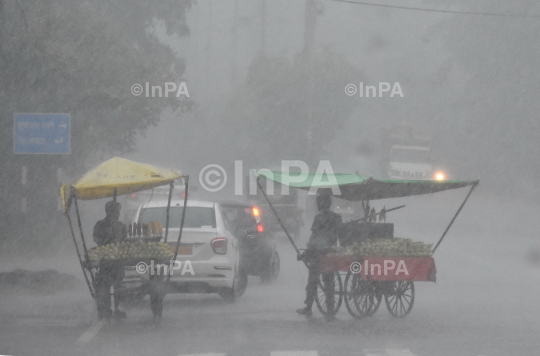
{"points": [[435, 10]]}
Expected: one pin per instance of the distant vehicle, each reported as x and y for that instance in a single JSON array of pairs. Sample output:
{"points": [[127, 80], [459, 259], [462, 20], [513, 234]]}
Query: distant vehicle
{"points": [[207, 243], [258, 255], [407, 154], [286, 206]]}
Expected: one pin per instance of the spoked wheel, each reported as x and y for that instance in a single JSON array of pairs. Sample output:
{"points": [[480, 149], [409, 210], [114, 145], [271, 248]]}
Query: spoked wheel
{"points": [[400, 299], [333, 290], [362, 298]]}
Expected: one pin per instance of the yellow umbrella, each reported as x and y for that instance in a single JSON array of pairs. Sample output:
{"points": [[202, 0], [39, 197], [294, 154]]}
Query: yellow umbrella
{"points": [[117, 173]]}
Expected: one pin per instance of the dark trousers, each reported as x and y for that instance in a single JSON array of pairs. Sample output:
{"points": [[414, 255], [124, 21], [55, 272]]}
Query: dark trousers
{"points": [[313, 260], [109, 275], [157, 289]]}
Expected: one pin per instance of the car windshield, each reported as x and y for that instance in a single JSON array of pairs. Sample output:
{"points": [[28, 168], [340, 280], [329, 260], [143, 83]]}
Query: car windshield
{"points": [[196, 217], [410, 155]]}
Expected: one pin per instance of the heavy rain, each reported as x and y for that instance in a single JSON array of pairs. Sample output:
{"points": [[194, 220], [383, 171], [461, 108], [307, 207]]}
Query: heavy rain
{"points": [[286, 178]]}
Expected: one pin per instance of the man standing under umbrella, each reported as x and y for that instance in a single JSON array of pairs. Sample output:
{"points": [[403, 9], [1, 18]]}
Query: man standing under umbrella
{"points": [[111, 273], [324, 235]]}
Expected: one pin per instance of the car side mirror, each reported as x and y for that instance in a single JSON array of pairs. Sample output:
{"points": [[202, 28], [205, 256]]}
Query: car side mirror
{"points": [[241, 233]]}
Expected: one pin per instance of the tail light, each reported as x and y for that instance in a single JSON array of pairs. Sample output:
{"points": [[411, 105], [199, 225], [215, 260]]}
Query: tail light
{"points": [[257, 214], [219, 245], [260, 228]]}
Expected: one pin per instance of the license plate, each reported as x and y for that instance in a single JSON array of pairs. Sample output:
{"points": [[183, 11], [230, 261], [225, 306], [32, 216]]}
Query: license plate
{"points": [[185, 250]]}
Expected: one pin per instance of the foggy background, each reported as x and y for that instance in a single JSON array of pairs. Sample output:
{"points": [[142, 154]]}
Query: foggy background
{"points": [[473, 78], [470, 78]]}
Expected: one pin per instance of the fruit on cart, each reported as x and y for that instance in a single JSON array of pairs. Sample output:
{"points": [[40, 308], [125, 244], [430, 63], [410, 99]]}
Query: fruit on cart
{"points": [[128, 250], [396, 247]]}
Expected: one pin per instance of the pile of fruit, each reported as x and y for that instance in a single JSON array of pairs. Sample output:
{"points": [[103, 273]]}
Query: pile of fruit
{"points": [[129, 250], [396, 247]]}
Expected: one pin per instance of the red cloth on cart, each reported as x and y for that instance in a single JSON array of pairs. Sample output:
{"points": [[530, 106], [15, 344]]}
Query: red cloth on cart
{"points": [[335, 263], [383, 268]]}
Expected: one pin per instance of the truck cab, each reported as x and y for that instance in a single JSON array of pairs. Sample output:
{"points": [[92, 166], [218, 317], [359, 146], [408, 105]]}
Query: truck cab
{"points": [[407, 153], [410, 162]]}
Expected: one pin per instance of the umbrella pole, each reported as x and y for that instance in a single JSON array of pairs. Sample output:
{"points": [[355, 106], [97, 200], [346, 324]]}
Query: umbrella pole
{"points": [[181, 227], [454, 218], [168, 209], [285, 230], [277, 217], [81, 231], [79, 255]]}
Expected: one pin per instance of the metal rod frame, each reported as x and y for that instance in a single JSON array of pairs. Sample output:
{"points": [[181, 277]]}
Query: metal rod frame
{"points": [[85, 249], [79, 255], [181, 227], [171, 185], [455, 216], [277, 217], [284, 229]]}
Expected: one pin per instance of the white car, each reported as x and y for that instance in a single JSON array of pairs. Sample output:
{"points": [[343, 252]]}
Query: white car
{"points": [[132, 202], [208, 252]]}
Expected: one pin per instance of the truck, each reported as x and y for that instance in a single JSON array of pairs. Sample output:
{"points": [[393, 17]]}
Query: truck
{"points": [[407, 153]]}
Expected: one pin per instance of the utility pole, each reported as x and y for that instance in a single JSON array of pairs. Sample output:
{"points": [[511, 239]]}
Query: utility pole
{"points": [[209, 46], [263, 26], [234, 42], [309, 27], [309, 40]]}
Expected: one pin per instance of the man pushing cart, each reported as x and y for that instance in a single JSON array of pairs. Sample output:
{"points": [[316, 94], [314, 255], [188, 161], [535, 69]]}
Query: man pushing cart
{"points": [[376, 263]]}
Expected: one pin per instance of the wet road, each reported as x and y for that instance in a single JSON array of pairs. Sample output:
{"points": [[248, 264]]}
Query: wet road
{"points": [[485, 302]]}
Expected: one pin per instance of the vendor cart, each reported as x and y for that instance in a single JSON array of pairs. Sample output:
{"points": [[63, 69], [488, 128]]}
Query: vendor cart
{"points": [[366, 283], [362, 281], [114, 177]]}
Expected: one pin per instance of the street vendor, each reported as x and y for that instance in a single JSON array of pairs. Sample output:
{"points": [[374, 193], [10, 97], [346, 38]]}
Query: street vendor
{"points": [[107, 231], [324, 235]]}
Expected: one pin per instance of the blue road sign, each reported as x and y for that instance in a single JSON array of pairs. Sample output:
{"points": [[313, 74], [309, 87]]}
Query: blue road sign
{"points": [[42, 133]]}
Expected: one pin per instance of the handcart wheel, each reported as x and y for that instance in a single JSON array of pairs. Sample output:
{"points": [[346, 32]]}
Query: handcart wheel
{"points": [[331, 308], [400, 299], [362, 298]]}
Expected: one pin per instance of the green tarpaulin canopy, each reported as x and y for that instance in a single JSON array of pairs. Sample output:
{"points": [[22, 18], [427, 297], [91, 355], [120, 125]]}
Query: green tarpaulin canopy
{"points": [[355, 187]]}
